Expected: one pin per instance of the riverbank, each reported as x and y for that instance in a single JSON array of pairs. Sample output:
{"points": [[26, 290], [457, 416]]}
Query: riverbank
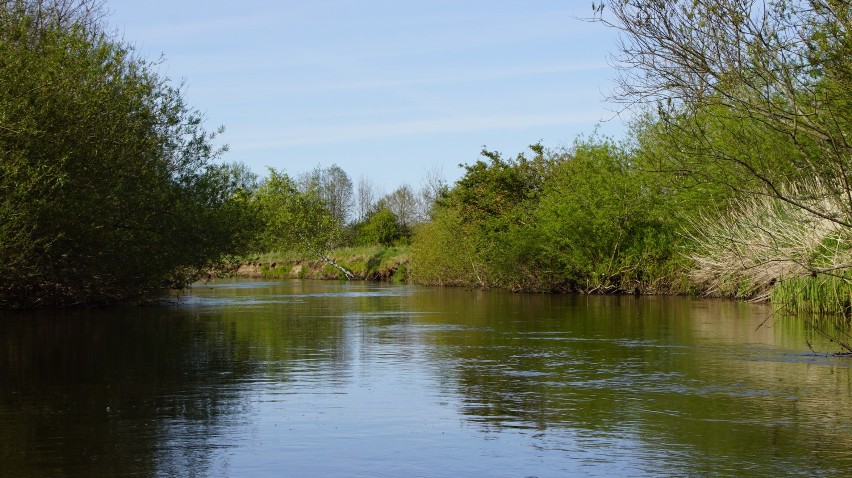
{"points": [[822, 296], [365, 263]]}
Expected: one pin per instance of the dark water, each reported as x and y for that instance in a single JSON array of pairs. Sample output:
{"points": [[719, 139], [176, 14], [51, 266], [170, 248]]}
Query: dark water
{"points": [[311, 379]]}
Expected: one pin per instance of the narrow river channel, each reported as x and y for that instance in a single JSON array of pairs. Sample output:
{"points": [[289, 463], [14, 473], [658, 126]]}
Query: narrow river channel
{"points": [[333, 379]]}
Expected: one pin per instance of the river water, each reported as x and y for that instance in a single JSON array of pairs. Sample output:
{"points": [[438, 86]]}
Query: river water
{"points": [[314, 379]]}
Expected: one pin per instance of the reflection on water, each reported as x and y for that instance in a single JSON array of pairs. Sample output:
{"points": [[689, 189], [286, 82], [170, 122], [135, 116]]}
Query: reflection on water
{"points": [[302, 378]]}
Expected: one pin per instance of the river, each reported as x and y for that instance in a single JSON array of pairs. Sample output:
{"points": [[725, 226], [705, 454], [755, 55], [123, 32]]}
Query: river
{"points": [[315, 379]]}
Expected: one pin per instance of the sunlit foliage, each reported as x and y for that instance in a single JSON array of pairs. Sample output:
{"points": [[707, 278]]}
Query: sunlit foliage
{"points": [[108, 187]]}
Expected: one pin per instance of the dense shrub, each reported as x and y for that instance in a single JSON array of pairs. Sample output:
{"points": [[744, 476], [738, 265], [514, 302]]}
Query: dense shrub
{"points": [[107, 186], [585, 218], [382, 227]]}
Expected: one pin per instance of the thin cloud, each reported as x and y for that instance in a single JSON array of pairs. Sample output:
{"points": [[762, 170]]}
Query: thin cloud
{"points": [[458, 77], [320, 135], [450, 78], [169, 32]]}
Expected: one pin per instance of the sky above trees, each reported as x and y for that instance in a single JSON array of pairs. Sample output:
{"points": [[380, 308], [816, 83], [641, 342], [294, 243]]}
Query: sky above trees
{"points": [[386, 89]]}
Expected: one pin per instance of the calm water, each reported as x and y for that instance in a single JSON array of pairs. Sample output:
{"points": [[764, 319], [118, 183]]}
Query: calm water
{"points": [[312, 379]]}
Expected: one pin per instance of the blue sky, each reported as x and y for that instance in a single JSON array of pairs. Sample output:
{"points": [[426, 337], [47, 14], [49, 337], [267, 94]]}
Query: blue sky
{"points": [[387, 89]]}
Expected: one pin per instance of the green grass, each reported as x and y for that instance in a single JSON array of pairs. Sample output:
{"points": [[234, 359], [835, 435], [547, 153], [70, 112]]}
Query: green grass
{"points": [[822, 295], [368, 262]]}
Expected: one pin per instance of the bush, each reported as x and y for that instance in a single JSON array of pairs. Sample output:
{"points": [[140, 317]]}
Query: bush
{"points": [[599, 221], [443, 252], [107, 188], [382, 228], [579, 219]]}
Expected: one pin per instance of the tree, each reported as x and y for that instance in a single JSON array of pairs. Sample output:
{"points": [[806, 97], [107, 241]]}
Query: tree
{"points": [[478, 231], [432, 188], [365, 198], [735, 80], [108, 183], [337, 191], [402, 202], [583, 218], [296, 220], [333, 186], [227, 179], [45, 15], [382, 227], [599, 222]]}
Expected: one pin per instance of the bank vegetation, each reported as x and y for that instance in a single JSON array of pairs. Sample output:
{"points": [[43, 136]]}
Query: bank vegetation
{"points": [[110, 187], [734, 180]]}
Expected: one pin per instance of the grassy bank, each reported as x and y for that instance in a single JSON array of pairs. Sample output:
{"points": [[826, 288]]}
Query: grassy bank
{"points": [[365, 263]]}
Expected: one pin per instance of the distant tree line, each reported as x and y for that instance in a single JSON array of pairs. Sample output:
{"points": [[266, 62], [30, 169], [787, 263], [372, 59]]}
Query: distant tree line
{"points": [[313, 212]]}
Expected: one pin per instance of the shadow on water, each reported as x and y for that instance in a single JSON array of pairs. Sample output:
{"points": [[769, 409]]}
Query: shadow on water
{"points": [[111, 390], [141, 391]]}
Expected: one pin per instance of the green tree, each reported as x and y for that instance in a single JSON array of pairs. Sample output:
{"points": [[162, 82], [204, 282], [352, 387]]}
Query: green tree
{"points": [[602, 223], [755, 96], [382, 227], [403, 203], [584, 218], [475, 230], [333, 185], [445, 252], [297, 220], [746, 88], [107, 185], [365, 198]]}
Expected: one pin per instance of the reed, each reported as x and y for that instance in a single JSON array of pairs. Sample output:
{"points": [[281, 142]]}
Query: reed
{"points": [[821, 295], [766, 248]]}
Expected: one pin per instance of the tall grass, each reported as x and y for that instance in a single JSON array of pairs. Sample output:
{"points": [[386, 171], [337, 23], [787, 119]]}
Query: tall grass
{"points": [[820, 295], [368, 262], [766, 248]]}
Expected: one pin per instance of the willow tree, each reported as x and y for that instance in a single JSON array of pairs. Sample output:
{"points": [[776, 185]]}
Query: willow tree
{"points": [[108, 187]]}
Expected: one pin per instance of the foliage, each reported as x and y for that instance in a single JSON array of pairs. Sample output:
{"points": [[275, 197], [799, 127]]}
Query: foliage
{"points": [[365, 196], [763, 241], [306, 215], [293, 219], [450, 249], [445, 252], [601, 222], [333, 186], [404, 204], [433, 188], [821, 295], [107, 183], [490, 208], [492, 189], [579, 219], [366, 262], [754, 95], [382, 228]]}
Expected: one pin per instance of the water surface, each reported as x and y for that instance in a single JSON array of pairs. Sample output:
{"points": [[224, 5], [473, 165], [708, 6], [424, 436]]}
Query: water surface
{"points": [[299, 378]]}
